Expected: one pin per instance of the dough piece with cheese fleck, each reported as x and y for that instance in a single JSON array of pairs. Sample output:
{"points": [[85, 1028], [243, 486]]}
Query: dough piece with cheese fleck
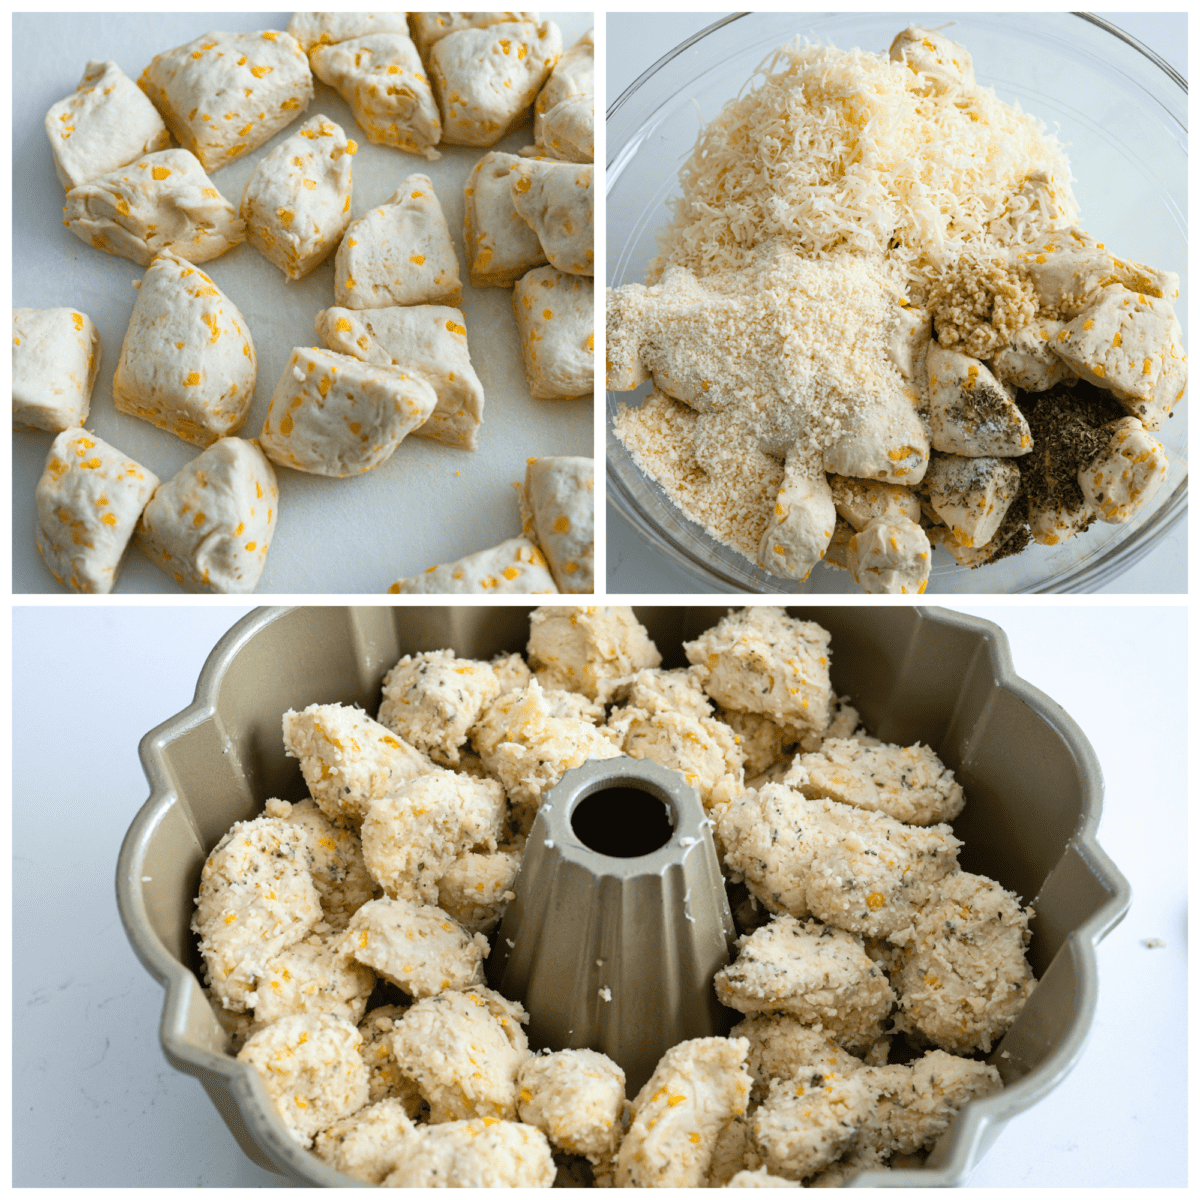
{"points": [[381, 78], [942, 66], [556, 199], [335, 415], [162, 203], [210, 526], [862, 500], [429, 340], [555, 324], [187, 363], [1028, 360], [576, 1098], [106, 122], [432, 700], [972, 495], [483, 1153], [464, 1049], [890, 557], [296, 205], [515, 567], [387, 1081], [477, 887], [347, 759], [573, 78], [501, 247], [697, 1087], [398, 253], [313, 29], [580, 649], [315, 975], [970, 412], [802, 521], [486, 79], [887, 440], [312, 1071], [368, 1144], [1125, 474], [570, 129], [557, 509], [429, 27], [418, 947], [89, 499], [224, 94], [55, 358], [783, 1047]]}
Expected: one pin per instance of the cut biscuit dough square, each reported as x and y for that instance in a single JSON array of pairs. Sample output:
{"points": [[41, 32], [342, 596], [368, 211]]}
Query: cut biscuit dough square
{"points": [[382, 79], [210, 526], [89, 499], [313, 29], [556, 200], [557, 510], [187, 363], [224, 94], [429, 340], [296, 205], [555, 323], [513, 567], [573, 77], [399, 253], [162, 203], [501, 246], [332, 414], [102, 125], [55, 357], [570, 130], [429, 27], [487, 79]]}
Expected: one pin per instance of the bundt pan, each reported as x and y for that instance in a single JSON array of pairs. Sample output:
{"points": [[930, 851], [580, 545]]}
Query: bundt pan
{"points": [[1032, 780]]}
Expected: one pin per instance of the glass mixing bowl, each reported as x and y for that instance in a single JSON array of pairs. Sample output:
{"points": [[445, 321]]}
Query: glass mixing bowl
{"points": [[1120, 111]]}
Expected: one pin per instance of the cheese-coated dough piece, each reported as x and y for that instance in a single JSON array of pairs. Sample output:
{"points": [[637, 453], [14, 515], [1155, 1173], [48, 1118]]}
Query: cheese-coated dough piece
{"points": [[501, 246], [576, 1098], [368, 1144], [556, 199], [515, 567], [482, 1153], [316, 975], [555, 323], [557, 507], [582, 649], [55, 357]]}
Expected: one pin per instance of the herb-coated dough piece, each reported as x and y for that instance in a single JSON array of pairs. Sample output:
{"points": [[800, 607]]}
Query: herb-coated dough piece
{"points": [[55, 357], [89, 499], [312, 1070], [387, 1081], [501, 246], [970, 412], [102, 125], [557, 508], [486, 79], [972, 495], [398, 253], [187, 363], [313, 29], [210, 526], [163, 203], [557, 201], [481, 1153], [657, 690], [574, 75], [296, 205], [514, 567], [383, 81], [224, 94], [576, 1098], [783, 1047], [581, 649], [368, 1144], [429, 340], [336, 415], [555, 318], [428, 27], [477, 887], [315, 975]]}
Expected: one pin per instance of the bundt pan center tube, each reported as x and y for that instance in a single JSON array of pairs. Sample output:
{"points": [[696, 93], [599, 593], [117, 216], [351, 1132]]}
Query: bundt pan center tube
{"points": [[620, 919]]}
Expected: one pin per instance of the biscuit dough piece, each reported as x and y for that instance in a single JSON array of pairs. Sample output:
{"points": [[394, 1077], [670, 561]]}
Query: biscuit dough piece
{"points": [[860, 501], [429, 340], [312, 1070], [625, 312], [511, 568], [761, 660], [1068, 269], [477, 888], [55, 357], [581, 649], [381, 78], [475, 1154], [887, 441], [432, 700], [501, 247], [555, 324], [512, 672], [657, 690], [386, 1080], [414, 831], [557, 512], [909, 339], [209, 527], [315, 975], [464, 1049], [368, 1144], [296, 205], [890, 557], [972, 495], [760, 1179], [556, 200], [187, 363], [348, 760], [697, 1087], [429, 27], [570, 130], [103, 124], [573, 77], [909, 783], [418, 947], [970, 412], [1028, 361], [224, 94], [944, 66], [964, 975], [486, 79], [161, 203], [802, 522], [782, 1047], [818, 974], [1126, 474], [528, 748], [314, 29], [576, 1098], [398, 253], [763, 743], [256, 899], [332, 414]]}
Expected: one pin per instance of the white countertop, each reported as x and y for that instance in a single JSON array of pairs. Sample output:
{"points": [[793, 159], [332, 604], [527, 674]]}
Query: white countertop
{"points": [[96, 1104]]}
